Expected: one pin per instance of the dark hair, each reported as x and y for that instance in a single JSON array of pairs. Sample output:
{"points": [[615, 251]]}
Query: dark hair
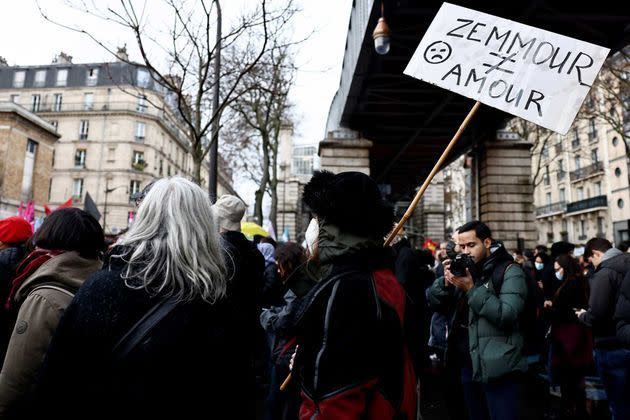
{"points": [[596, 244], [623, 246], [268, 240], [482, 230], [289, 256], [542, 249], [71, 229], [426, 257], [572, 272]]}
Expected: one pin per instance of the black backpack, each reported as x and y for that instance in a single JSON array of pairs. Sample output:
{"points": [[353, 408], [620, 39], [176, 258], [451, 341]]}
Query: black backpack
{"points": [[530, 323]]}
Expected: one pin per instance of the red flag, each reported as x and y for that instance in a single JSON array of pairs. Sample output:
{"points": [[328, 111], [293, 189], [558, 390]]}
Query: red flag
{"points": [[66, 204]]}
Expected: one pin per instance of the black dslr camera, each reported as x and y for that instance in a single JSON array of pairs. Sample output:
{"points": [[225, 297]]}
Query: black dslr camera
{"points": [[459, 262]]}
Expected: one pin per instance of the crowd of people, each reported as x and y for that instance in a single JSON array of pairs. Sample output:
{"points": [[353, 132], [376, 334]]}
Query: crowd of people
{"points": [[184, 317]]}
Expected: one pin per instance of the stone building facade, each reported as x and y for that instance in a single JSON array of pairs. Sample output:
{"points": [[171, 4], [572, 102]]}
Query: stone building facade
{"points": [[117, 132], [26, 158]]}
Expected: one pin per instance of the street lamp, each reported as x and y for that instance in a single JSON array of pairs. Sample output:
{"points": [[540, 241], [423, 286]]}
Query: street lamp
{"points": [[107, 191], [381, 35]]}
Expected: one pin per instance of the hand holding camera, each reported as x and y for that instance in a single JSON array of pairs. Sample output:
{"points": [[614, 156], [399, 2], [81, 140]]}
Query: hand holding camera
{"points": [[460, 268]]}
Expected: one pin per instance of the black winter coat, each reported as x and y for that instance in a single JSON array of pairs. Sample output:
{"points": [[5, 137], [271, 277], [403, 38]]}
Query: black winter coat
{"points": [[605, 286], [189, 367], [9, 260], [347, 335], [622, 313]]}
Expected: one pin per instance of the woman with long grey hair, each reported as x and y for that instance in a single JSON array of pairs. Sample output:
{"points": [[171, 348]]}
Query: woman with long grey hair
{"points": [[152, 334]]}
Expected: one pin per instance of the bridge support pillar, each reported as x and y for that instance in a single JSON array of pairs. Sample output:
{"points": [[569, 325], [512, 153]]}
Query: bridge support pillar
{"points": [[506, 193], [344, 151]]}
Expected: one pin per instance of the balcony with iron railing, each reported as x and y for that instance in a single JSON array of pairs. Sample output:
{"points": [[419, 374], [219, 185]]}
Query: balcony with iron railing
{"points": [[585, 172], [601, 201], [551, 209]]}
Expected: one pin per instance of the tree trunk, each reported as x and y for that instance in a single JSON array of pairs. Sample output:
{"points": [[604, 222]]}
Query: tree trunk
{"points": [[262, 186], [273, 214]]}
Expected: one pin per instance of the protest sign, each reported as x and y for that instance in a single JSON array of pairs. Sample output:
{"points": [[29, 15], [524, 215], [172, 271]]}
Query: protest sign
{"points": [[535, 74]]}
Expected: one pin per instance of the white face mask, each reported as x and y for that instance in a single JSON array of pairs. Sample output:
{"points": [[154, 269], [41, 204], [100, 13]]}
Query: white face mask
{"points": [[311, 235], [539, 266]]}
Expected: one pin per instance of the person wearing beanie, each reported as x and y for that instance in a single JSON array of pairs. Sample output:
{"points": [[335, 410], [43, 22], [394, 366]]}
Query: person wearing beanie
{"points": [[14, 233], [245, 265], [353, 359]]}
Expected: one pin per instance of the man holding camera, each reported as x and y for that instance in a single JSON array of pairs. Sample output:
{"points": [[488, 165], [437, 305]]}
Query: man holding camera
{"points": [[488, 292]]}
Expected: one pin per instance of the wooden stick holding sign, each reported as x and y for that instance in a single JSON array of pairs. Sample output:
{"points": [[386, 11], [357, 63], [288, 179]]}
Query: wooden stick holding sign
{"points": [[435, 170]]}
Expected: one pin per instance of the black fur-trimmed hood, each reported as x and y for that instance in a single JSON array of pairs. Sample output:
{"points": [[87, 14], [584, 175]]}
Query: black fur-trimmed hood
{"points": [[351, 201]]}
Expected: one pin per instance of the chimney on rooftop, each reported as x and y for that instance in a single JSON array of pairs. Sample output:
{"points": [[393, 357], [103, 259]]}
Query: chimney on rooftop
{"points": [[121, 54], [62, 58]]}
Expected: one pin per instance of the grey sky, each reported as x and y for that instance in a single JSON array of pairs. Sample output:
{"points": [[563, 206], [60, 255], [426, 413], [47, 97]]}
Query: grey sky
{"points": [[29, 39]]}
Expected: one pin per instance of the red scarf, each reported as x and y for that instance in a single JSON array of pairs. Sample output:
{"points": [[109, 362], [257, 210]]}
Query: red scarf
{"points": [[32, 262]]}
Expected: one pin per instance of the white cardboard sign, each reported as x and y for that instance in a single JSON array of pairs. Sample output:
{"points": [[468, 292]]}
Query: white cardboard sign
{"points": [[535, 74]]}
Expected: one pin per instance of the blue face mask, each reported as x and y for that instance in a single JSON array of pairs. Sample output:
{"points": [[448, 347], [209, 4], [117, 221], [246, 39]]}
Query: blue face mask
{"points": [[559, 275], [539, 266]]}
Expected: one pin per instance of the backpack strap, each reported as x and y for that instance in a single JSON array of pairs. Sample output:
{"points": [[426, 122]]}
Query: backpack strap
{"points": [[143, 327], [498, 275]]}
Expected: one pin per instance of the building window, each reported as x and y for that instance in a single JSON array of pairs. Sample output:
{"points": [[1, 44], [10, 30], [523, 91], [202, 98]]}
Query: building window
{"points": [[77, 188], [88, 101], [168, 170], [62, 77], [58, 101], [161, 168], [620, 203], [545, 151], [91, 77], [548, 198], [617, 172], [598, 189], [615, 141], [18, 78], [600, 225], [592, 130], [36, 101], [594, 156], [562, 195], [134, 186], [84, 127], [31, 146], [140, 131], [138, 157], [79, 158], [15, 99], [546, 175], [576, 138], [582, 229], [143, 77], [40, 78], [578, 163], [580, 193], [142, 104], [111, 154]]}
